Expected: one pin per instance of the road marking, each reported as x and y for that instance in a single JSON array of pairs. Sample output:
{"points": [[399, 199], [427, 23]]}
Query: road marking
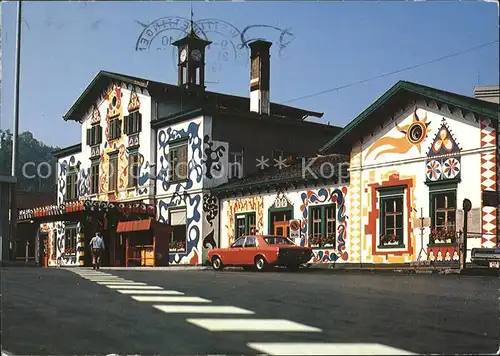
{"points": [[202, 309], [313, 348], [107, 280], [127, 286], [275, 325], [142, 291], [128, 283], [168, 299]]}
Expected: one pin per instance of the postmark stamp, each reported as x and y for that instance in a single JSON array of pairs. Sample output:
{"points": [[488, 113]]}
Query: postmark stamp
{"points": [[229, 45]]}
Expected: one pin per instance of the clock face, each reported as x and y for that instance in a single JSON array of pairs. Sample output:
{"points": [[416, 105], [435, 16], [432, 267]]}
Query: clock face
{"points": [[183, 55], [196, 54]]}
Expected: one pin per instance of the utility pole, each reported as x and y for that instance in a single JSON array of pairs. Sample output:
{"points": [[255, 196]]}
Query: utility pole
{"points": [[15, 127]]}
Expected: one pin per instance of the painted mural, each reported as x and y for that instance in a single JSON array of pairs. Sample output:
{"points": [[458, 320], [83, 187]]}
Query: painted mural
{"points": [[443, 159], [212, 157], [210, 211], [326, 196], [489, 224], [179, 193], [64, 166], [204, 162], [407, 136], [243, 205]]}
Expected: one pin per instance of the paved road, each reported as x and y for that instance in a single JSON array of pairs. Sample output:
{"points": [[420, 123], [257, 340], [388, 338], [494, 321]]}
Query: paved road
{"points": [[56, 311]]}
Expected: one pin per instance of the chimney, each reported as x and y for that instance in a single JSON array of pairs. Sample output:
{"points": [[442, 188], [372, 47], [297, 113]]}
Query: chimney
{"points": [[488, 93], [260, 68]]}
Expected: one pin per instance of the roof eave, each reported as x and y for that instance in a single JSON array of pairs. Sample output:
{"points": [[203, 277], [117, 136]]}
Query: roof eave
{"points": [[66, 151]]}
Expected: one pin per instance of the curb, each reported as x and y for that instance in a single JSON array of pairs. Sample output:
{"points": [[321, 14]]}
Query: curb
{"points": [[172, 268]]}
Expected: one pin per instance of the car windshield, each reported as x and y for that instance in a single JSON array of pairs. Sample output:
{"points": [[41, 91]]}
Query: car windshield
{"points": [[278, 240]]}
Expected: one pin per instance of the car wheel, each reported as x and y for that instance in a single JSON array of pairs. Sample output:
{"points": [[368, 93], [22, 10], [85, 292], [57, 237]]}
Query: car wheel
{"points": [[260, 263], [217, 263]]}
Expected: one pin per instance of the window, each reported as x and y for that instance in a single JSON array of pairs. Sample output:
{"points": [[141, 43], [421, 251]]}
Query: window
{"points": [[245, 224], [133, 123], [250, 241], [70, 235], [323, 225], [94, 177], [94, 135], [115, 128], [238, 243], [391, 218], [178, 221], [235, 164], [113, 172], [278, 240], [71, 186], [443, 210], [133, 169], [178, 161]]}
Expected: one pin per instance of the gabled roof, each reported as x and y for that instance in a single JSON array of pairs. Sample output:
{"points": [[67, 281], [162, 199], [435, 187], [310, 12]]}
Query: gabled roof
{"points": [[319, 169], [102, 79], [398, 96]]}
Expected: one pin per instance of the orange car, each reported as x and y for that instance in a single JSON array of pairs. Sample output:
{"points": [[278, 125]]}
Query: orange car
{"points": [[260, 251]]}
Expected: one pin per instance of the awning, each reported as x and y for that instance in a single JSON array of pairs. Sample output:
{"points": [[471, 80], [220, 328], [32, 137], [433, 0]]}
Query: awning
{"points": [[136, 225]]}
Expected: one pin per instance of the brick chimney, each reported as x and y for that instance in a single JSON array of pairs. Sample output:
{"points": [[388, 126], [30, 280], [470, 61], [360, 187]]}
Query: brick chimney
{"points": [[487, 93], [260, 68]]}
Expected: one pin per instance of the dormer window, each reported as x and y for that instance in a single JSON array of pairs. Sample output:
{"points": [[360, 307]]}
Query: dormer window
{"points": [[94, 135], [133, 123], [115, 129]]}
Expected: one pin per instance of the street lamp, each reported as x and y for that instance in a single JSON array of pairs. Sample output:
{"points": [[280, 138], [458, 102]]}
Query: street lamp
{"points": [[15, 126]]}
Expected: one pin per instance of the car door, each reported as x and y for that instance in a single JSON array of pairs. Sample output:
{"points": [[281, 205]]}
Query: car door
{"points": [[249, 250], [233, 254]]}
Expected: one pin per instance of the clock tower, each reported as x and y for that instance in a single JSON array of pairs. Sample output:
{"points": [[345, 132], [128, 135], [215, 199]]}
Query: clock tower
{"points": [[191, 60]]}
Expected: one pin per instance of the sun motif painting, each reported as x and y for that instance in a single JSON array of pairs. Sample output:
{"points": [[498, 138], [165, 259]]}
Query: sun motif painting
{"points": [[414, 134]]}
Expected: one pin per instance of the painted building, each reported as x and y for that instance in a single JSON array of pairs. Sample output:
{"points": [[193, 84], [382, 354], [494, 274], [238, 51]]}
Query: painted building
{"points": [[151, 147], [419, 152], [308, 205]]}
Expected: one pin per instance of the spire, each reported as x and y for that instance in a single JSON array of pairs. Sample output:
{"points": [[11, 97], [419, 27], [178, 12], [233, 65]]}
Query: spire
{"points": [[191, 23]]}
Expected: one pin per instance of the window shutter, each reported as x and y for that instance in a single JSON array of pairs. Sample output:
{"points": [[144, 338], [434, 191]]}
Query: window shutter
{"points": [[99, 134], [118, 128], [139, 122], [88, 136], [126, 121]]}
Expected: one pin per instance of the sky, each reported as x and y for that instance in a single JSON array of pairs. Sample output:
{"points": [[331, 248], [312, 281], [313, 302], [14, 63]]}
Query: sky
{"points": [[316, 46]]}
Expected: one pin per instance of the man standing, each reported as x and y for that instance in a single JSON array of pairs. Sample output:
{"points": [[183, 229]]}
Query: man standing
{"points": [[96, 245]]}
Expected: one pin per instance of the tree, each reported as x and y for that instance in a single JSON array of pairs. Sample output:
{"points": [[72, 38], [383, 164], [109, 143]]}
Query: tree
{"points": [[32, 153]]}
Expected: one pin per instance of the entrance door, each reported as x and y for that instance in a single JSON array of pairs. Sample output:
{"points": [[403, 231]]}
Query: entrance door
{"points": [[42, 241], [281, 228], [279, 221]]}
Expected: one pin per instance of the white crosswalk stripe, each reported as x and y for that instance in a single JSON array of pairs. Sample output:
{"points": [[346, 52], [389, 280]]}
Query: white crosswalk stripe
{"points": [[128, 283], [127, 286], [169, 299], [149, 292], [272, 325], [202, 309], [313, 348]]}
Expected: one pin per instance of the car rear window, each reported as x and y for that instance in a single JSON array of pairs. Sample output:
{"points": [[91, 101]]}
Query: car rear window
{"points": [[277, 240]]}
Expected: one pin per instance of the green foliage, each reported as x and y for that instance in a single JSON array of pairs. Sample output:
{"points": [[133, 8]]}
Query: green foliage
{"points": [[30, 150]]}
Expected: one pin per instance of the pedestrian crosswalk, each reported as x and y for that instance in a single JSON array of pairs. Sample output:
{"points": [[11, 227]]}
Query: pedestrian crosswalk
{"points": [[176, 302]]}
